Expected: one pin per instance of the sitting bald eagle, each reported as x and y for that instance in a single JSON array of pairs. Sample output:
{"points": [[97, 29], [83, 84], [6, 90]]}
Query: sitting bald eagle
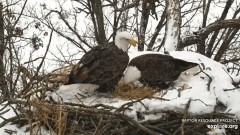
{"points": [[103, 65], [155, 70]]}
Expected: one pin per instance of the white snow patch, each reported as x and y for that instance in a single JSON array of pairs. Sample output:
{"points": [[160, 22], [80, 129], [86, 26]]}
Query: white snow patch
{"points": [[217, 132], [67, 92], [16, 130]]}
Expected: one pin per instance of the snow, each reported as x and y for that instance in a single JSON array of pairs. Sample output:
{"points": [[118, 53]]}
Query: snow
{"points": [[217, 132], [9, 109]]}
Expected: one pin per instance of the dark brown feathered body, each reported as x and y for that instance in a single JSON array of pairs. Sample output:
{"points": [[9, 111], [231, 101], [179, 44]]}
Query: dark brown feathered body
{"points": [[102, 65], [157, 69]]}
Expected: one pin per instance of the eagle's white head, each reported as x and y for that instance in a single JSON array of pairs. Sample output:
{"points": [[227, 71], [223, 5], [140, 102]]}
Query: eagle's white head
{"points": [[124, 38]]}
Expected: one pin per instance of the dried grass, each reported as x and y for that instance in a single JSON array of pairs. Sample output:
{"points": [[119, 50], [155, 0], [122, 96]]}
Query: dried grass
{"points": [[54, 117], [60, 75], [128, 92]]}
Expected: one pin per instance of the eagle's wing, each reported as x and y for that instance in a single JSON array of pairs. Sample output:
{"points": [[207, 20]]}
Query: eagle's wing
{"points": [[155, 70], [164, 70], [99, 65]]}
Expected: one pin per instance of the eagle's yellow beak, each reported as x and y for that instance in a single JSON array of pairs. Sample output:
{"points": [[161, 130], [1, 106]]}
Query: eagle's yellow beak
{"points": [[132, 42]]}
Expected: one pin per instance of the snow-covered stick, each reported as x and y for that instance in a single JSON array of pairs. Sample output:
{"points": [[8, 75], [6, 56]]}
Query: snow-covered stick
{"points": [[236, 84], [172, 34], [202, 71], [185, 114]]}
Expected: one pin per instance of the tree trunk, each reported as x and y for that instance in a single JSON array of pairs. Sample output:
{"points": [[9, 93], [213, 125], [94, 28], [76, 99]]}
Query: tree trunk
{"points": [[143, 25], [3, 83], [96, 11], [173, 25], [206, 7]]}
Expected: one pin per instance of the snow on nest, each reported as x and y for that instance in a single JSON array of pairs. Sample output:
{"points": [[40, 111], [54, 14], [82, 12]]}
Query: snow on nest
{"points": [[190, 85]]}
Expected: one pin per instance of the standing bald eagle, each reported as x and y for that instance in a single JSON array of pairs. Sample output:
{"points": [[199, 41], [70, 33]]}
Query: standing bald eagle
{"points": [[103, 66], [155, 70]]}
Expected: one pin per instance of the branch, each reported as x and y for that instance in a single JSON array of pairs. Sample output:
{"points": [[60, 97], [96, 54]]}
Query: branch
{"points": [[181, 128], [216, 33], [43, 58], [203, 33], [140, 126], [157, 30], [24, 5], [134, 4], [210, 78], [70, 28], [235, 84]]}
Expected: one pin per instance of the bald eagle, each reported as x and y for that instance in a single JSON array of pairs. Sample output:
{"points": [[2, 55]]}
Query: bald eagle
{"points": [[155, 70], [103, 66]]}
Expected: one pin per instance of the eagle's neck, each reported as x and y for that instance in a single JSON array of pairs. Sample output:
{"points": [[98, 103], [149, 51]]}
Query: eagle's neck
{"points": [[121, 43]]}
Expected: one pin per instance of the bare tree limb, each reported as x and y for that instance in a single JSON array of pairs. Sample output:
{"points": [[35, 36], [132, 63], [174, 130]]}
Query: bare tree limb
{"points": [[203, 33], [134, 4], [215, 34], [158, 29]]}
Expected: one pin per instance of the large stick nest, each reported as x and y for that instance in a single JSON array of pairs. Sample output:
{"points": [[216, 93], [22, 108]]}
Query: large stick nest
{"points": [[68, 118], [65, 118]]}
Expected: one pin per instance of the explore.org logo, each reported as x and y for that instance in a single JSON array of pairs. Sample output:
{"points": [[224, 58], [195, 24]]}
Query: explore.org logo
{"points": [[216, 123]]}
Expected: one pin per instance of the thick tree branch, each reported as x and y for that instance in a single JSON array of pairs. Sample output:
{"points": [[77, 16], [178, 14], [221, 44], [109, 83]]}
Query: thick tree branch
{"points": [[3, 84], [206, 6], [204, 32], [96, 11], [143, 25]]}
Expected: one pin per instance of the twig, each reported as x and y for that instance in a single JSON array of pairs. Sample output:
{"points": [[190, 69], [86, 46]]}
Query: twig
{"points": [[181, 128], [6, 121], [210, 78], [96, 132], [158, 129], [126, 106], [201, 101], [135, 123], [232, 89], [236, 84], [3, 112], [30, 61]]}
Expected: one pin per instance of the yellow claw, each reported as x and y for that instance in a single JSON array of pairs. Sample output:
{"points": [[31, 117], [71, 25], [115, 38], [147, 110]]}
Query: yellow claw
{"points": [[132, 42]]}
